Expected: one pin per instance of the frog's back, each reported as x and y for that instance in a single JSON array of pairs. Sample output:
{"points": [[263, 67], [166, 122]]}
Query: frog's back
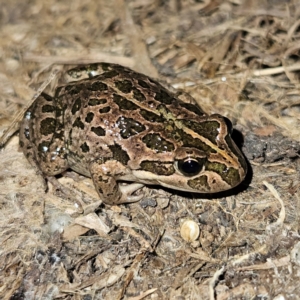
{"points": [[119, 113]]}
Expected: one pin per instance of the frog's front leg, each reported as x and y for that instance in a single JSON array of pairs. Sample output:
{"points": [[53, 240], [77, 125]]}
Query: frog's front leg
{"points": [[104, 175]]}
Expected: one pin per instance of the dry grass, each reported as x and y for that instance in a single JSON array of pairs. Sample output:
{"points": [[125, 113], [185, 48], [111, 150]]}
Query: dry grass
{"points": [[238, 58]]}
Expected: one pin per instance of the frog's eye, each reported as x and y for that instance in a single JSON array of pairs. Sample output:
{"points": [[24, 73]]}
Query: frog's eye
{"points": [[229, 125], [189, 166]]}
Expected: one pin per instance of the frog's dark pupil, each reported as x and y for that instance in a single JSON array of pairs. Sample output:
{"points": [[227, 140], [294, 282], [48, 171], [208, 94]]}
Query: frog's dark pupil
{"points": [[189, 167]]}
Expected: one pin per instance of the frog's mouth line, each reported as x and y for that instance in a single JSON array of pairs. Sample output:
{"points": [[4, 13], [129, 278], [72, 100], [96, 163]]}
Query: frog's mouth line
{"points": [[213, 181]]}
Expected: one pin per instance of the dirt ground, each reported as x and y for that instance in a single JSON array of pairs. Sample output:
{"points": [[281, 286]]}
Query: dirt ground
{"points": [[236, 58]]}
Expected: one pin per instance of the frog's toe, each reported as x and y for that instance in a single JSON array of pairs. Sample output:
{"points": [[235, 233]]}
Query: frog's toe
{"points": [[127, 191]]}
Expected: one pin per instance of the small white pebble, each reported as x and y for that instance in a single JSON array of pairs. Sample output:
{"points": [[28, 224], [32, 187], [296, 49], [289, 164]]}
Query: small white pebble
{"points": [[12, 64], [189, 231]]}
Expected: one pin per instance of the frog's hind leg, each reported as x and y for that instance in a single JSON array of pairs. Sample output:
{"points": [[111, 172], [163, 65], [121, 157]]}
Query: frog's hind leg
{"points": [[42, 136]]}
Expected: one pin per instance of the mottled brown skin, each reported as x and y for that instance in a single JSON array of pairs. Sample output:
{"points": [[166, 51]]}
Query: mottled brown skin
{"points": [[113, 124]]}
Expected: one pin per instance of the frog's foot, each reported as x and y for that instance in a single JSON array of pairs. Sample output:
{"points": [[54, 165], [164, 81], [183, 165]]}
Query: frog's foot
{"points": [[127, 190], [109, 189]]}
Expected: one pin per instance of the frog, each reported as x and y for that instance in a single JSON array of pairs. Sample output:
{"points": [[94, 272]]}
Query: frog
{"points": [[125, 130]]}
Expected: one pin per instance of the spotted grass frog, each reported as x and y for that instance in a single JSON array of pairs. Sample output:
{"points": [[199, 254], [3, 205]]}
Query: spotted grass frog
{"points": [[115, 125]]}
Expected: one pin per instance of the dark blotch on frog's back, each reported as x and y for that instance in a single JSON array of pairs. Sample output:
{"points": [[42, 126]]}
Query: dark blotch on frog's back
{"points": [[125, 86], [72, 89], [129, 127], [47, 97], [48, 126], [164, 97], [96, 86], [48, 108], [138, 95], [96, 101], [123, 103], [151, 117], [89, 117], [84, 147], [104, 110], [143, 84], [78, 123], [110, 74], [76, 106], [98, 131], [119, 154]]}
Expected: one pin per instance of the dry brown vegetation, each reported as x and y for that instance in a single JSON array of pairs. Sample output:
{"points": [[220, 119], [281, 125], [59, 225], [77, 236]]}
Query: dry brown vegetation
{"points": [[237, 58]]}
